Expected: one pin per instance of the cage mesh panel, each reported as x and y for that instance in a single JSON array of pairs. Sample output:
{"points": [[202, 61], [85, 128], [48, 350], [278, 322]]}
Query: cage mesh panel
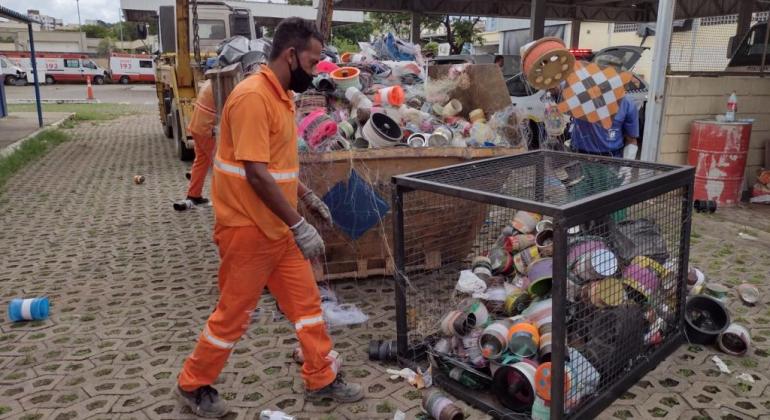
{"points": [[608, 319], [518, 176]]}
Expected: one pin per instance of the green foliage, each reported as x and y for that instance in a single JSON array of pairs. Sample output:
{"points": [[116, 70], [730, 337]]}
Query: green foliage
{"points": [[29, 151], [398, 23], [106, 46], [464, 31], [96, 31], [7, 39], [431, 47], [356, 32], [301, 2], [344, 45]]}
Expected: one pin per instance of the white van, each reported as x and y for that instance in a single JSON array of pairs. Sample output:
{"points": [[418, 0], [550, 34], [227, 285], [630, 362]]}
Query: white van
{"points": [[11, 73], [127, 68]]}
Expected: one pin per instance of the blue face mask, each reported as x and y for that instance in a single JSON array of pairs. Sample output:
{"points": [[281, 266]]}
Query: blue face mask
{"points": [[300, 79]]}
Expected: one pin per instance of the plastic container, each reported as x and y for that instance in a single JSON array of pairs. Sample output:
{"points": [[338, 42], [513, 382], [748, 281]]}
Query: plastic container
{"points": [[34, 309], [705, 319]]}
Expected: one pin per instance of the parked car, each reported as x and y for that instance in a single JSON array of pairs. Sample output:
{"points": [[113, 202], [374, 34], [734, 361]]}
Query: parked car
{"points": [[532, 102]]}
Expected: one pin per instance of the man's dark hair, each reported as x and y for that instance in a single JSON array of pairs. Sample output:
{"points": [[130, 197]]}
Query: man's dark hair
{"points": [[499, 58], [294, 32]]}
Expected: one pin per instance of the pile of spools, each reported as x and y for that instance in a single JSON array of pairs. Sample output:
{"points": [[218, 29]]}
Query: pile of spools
{"points": [[364, 103], [621, 292]]}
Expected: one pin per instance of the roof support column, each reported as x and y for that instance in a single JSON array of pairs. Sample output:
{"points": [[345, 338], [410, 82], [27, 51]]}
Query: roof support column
{"points": [[33, 60], [537, 19], [574, 38], [654, 110]]}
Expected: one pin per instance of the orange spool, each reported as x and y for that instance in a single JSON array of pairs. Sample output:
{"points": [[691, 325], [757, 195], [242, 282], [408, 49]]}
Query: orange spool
{"points": [[527, 328], [547, 62], [543, 381], [346, 57], [345, 77]]}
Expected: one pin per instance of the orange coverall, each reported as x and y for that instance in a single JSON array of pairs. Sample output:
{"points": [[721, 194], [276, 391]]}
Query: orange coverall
{"points": [[256, 248], [201, 127]]}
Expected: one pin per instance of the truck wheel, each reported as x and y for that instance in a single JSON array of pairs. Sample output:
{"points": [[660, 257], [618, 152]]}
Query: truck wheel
{"points": [[49, 80], [10, 79], [182, 151], [124, 80], [168, 128], [99, 80]]}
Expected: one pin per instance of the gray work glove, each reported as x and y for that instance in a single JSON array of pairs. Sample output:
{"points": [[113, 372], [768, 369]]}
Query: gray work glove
{"points": [[307, 239], [314, 203]]}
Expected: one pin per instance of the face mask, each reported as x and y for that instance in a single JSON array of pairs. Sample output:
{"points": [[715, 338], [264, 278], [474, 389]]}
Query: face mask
{"points": [[300, 80]]}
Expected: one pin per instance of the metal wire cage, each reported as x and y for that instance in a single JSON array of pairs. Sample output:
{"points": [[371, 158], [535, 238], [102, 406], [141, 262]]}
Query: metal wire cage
{"points": [[611, 305]]}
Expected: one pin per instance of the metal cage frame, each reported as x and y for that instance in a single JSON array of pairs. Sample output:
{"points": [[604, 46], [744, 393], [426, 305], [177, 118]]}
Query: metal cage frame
{"points": [[564, 216]]}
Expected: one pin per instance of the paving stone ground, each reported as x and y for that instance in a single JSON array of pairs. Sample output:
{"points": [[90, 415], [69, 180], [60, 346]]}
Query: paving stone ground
{"points": [[131, 283]]}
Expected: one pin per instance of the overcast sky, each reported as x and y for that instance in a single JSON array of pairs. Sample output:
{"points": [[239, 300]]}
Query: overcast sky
{"points": [[106, 10]]}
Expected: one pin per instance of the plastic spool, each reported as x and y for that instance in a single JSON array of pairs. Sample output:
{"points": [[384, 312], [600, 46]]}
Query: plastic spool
{"points": [[316, 127], [477, 115], [517, 302], [346, 129], [643, 275], [346, 77], [392, 96], [475, 354], [358, 100], [543, 381], [523, 339], [596, 265], [735, 340], [382, 131], [544, 242], [541, 409], [440, 407], [524, 258], [525, 221], [346, 57], [417, 140], [494, 339], [545, 347], [340, 143], [546, 62], [516, 243], [360, 143], [583, 246], [540, 274], [441, 137], [481, 267], [324, 83], [458, 323], [452, 108], [585, 377], [475, 307], [34, 309], [501, 261], [544, 224], [514, 386], [540, 312]]}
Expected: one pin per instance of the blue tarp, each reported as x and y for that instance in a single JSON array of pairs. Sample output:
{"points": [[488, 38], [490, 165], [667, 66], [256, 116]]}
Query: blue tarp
{"points": [[355, 206]]}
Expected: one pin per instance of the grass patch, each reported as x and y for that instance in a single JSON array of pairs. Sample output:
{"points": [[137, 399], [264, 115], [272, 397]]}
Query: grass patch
{"points": [[30, 151], [83, 112]]}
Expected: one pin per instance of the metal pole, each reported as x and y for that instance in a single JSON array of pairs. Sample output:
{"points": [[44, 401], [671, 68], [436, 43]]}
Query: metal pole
{"points": [[764, 48], [654, 112], [34, 75]]}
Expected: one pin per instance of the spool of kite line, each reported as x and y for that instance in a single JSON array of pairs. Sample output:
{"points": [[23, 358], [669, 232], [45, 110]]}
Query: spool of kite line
{"points": [[546, 62], [346, 77], [316, 127]]}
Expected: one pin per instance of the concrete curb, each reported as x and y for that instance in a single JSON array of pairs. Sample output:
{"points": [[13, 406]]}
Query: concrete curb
{"points": [[8, 150], [54, 101]]}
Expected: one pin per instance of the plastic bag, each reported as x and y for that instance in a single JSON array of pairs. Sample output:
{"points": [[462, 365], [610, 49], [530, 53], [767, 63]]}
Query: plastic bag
{"points": [[231, 50], [338, 314], [506, 124], [632, 238]]}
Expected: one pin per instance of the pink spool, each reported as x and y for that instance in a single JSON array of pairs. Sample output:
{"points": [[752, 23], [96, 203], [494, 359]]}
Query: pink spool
{"points": [[642, 279], [583, 248], [316, 127]]}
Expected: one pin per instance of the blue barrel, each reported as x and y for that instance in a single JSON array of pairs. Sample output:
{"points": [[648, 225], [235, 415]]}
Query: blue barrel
{"points": [[34, 309]]}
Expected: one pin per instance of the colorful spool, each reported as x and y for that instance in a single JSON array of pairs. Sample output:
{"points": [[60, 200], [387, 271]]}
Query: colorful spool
{"points": [[543, 381], [585, 378], [346, 77], [34, 309], [482, 268], [358, 100], [382, 131], [525, 221], [417, 140], [596, 265], [539, 312], [514, 386], [541, 409], [477, 115], [501, 260], [440, 407], [735, 340], [524, 258], [544, 242], [517, 302], [516, 243], [607, 292], [452, 108], [644, 275], [475, 307], [391, 96], [583, 246], [546, 62], [475, 353], [457, 323], [346, 129], [540, 273], [494, 339], [544, 224], [545, 347], [441, 137], [317, 127], [523, 339]]}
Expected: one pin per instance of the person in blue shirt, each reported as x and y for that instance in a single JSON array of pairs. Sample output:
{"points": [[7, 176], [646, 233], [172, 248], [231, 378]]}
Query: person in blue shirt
{"points": [[620, 140]]}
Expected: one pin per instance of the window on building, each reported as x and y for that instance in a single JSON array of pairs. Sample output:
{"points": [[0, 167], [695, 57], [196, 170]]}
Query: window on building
{"points": [[145, 64], [212, 29], [72, 63], [625, 27]]}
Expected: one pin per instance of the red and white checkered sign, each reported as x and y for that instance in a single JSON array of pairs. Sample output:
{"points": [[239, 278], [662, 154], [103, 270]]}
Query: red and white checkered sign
{"points": [[592, 93]]}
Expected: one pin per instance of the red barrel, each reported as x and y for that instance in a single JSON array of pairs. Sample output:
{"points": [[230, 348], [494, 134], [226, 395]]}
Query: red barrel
{"points": [[718, 150]]}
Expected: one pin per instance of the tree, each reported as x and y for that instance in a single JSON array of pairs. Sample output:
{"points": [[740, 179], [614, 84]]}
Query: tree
{"points": [[355, 32], [460, 31], [106, 46], [95, 31]]}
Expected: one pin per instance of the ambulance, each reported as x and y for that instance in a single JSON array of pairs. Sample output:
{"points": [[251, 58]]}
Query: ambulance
{"points": [[127, 68], [61, 67], [10, 72]]}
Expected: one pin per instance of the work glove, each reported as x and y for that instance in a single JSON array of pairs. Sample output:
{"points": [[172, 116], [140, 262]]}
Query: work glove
{"points": [[307, 239], [314, 203], [629, 152]]}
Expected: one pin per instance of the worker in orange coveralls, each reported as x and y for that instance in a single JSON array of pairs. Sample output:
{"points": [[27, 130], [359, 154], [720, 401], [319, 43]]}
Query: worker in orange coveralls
{"points": [[262, 239]]}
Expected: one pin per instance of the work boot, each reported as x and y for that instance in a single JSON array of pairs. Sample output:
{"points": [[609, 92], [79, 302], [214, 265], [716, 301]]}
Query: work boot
{"points": [[204, 401], [188, 175], [198, 201], [339, 391]]}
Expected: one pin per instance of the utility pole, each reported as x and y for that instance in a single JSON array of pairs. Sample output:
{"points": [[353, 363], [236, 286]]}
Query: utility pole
{"points": [[77, 2], [120, 22], [324, 18], [81, 41]]}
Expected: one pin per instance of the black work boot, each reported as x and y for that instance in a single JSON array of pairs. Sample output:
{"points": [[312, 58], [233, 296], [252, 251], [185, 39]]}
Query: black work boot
{"points": [[204, 401], [339, 391]]}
